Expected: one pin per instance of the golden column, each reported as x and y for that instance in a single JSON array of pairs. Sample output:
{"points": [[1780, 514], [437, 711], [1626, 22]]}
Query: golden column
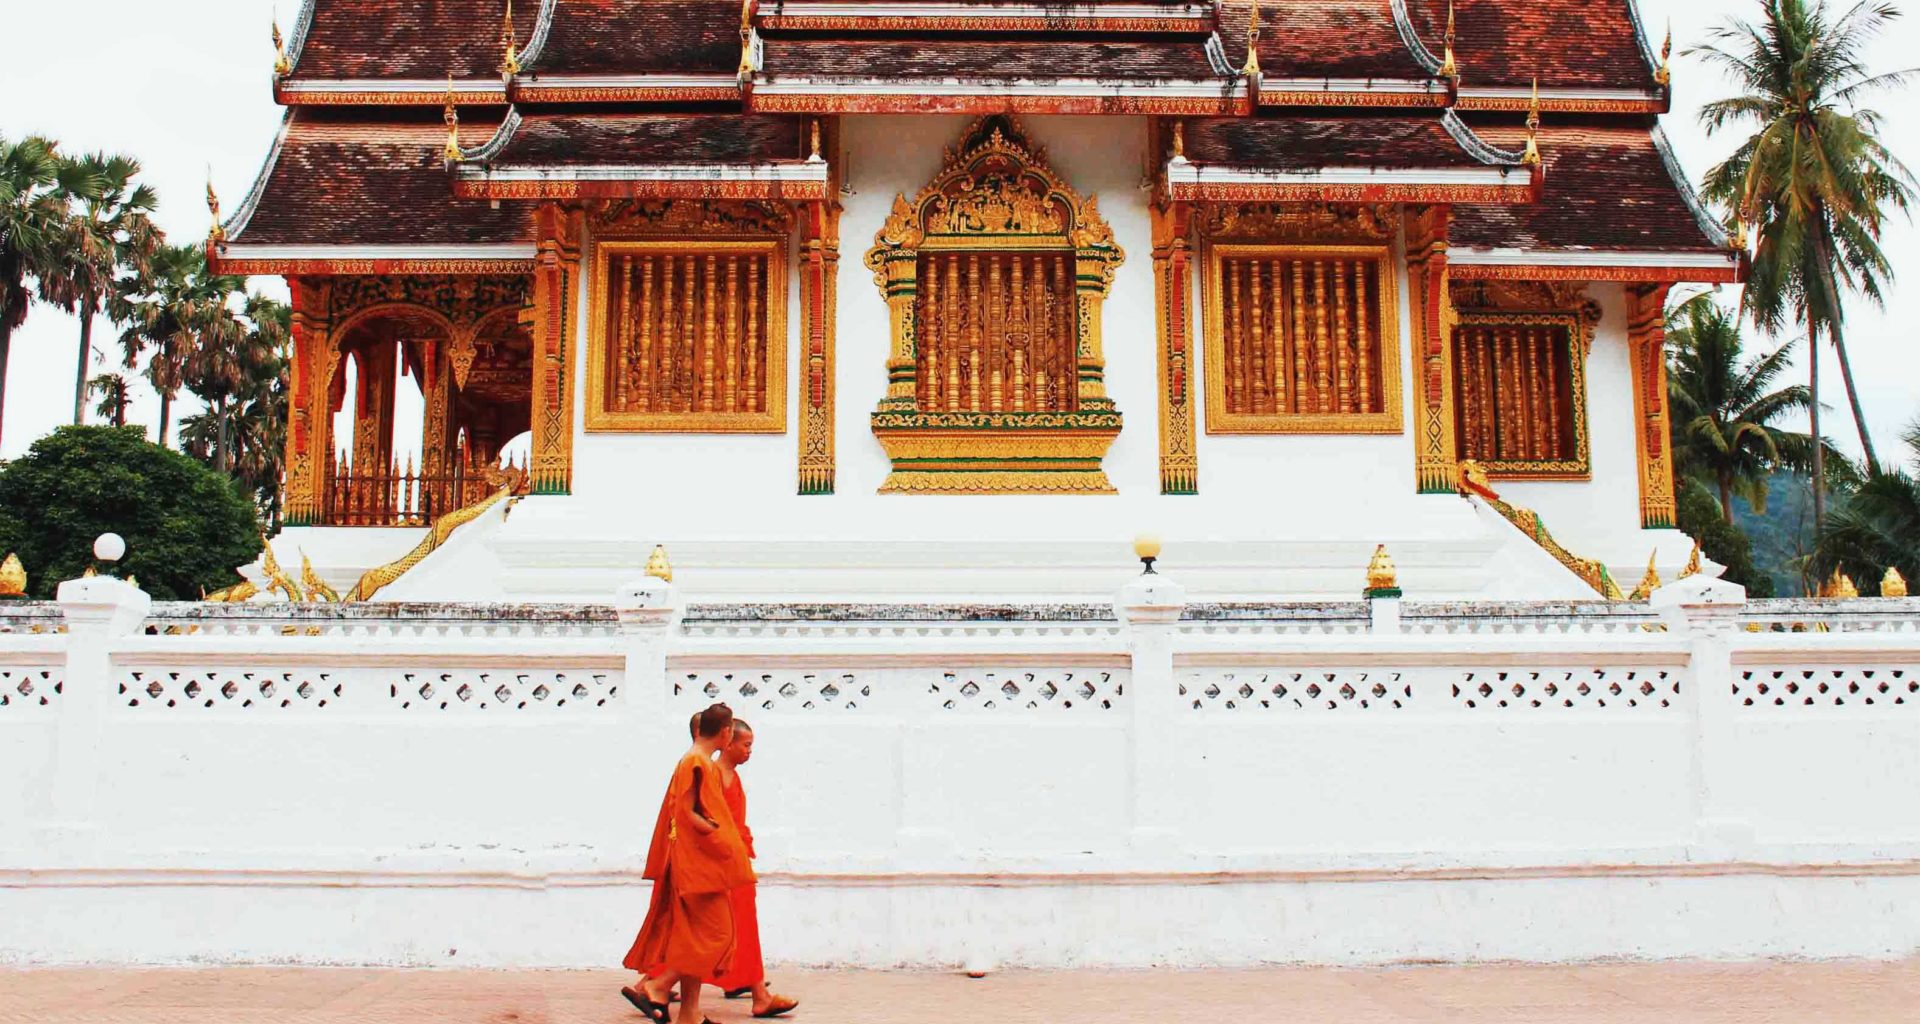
{"points": [[310, 431], [820, 264], [1095, 259], [1173, 286], [898, 271], [436, 428], [556, 285], [1434, 456], [1647, 347]]}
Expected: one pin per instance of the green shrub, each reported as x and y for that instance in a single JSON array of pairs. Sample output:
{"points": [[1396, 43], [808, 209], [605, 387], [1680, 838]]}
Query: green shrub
{"points": [[1701, 518]]}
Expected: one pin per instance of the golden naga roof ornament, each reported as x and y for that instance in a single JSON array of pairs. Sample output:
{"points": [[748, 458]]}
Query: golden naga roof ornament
{"points": [[1383, 579], [658, 566], [1692, 568], [451, 154], [282, 67], [1531, 158], [1648, 583], [1449, 67], [1251, 68], [510, 58], [13, 577], [813, 144], [1663, 75], [746, 40], [1891, 585], [1179, 142], [216, 232]]}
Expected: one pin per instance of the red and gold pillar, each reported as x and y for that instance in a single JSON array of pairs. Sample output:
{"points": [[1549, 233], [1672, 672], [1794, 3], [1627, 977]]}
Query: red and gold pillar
{"points": [[820, 263], [1173, 287], [556, 287], [1434, 458], [1647, 347], [310, 429]]}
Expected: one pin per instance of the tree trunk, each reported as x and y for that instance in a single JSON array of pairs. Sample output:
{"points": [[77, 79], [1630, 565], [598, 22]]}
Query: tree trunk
{"points": [[1819, 444], [1834, 331], [220, 436], [166, 408], [1726, 497], [6, 346], [1853, 400], [86, 350]]}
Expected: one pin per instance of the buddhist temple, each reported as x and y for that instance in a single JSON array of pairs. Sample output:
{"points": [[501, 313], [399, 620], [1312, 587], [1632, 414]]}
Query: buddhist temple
{"points": [[909, 300]]}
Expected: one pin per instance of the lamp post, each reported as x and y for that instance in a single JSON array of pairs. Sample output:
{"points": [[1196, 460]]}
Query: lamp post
{"points": [[1147, 548]]}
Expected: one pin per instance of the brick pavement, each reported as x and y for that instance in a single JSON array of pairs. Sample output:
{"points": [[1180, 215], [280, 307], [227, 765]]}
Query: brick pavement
{"points": [[1673, 993]]}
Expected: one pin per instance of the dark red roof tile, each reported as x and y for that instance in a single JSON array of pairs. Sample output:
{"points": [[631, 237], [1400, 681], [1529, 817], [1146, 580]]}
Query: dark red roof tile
{"points": [[419, 39], [1583, 43], [1321, 39], [636, 37], [345, 182], [563, 140], [1014, 57], [1309, 143]]}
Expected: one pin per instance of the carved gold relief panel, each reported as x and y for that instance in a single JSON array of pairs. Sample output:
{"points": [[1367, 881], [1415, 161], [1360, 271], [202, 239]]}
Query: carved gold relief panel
{"points": [[1519, 366]]}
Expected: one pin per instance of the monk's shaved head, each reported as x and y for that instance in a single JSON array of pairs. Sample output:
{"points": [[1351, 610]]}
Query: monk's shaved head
{"points": [[714, 721], [693, 726]]}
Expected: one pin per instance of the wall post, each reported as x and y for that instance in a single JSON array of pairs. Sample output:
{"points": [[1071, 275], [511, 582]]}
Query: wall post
{"points": [[99, 610], [1151, 606], [1706, 612]]}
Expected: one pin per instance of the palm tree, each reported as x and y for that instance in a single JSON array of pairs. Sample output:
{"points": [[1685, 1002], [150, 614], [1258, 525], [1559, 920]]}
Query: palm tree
{"points": [[170, 313], [34, 188], [111, 231], [243, 430], [1877, 526], [115, 395], [1724, 406], [1813, 177]]}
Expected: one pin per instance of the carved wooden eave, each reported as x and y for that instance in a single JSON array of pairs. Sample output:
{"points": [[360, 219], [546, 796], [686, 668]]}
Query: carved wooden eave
{"points": [[1010, 17], [333, 260], [996, 196], [778, 93], [1645, 267]]}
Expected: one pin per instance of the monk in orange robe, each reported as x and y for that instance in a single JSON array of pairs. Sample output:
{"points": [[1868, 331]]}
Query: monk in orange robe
{"points": [[697, 857], [749, 971]]}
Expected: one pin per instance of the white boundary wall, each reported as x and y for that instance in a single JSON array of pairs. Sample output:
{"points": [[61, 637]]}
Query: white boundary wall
{"points": [[1044, 786]]}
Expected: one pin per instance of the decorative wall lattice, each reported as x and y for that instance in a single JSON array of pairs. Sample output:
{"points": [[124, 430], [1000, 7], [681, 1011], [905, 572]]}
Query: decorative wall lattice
{"points": [[1027, 690], [1295, 690], [1845, 686], [229, 688], [502, 690], [1592, 688], [774, 690], [23, 688], [1448, 690]]}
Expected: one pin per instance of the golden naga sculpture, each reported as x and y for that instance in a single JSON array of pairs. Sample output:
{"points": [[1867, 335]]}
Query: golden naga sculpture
{"points": [[1692, 568], [1473, 482], [317, 589], [239, 593], [658, 566], [373, 580], [13, 577], [1648, 583], [277, 578], [1893, 584], [1383, 579]]}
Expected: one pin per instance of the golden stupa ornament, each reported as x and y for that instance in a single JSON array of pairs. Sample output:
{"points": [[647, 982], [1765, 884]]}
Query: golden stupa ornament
{"points": [[1251, 68], [1893, 584], [1648, 583], [1840, 585], [451, 152], [1531, 158], [1663, 75], [13, 578], [1383, 580], [1692, 568], [282, 67], [1449, 68], [658, 566]]}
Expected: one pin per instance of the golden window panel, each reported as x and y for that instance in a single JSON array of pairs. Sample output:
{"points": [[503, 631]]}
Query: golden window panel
{"points": [[1520, 387], [1302, 339], [688, 336], [997, 332]]}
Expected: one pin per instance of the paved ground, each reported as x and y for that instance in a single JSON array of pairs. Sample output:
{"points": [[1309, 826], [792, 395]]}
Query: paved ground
{"points": [[1846, 993]]}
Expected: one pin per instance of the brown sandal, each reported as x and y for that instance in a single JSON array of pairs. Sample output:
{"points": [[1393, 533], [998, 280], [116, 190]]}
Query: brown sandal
{"points": [[781, 1005]]}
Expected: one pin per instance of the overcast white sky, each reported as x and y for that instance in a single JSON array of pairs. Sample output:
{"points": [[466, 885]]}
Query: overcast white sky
{"points": [[184, 87]]}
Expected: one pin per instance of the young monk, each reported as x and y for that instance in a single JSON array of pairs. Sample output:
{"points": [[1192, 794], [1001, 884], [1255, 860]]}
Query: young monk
{"points": [[696, 858], [749, 972]]}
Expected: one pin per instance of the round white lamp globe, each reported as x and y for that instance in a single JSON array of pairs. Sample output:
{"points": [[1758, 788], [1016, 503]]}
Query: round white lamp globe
{"points": [[108, 547]]}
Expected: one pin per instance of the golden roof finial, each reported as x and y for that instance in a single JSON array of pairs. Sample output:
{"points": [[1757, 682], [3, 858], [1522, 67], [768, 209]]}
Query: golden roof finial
{"points": [[746, 40], [1383, 580], [1663, 75], [1738, 241], [452, 152], [1692, 568], [1251, 68], [1449, 68], [1531, 158], [1893, 584], [217, 232], [657, 565], [1179, 142], [1648, 583], [282, 67], [13, 577], [813, 143], [510, 61]]}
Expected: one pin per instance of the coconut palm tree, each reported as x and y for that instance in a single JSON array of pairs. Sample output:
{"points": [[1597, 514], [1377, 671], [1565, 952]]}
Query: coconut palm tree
{"points": [[115, 393], [170, 313], [1725, 405], [1813, 178], [111, 232], [1877, 526], [34, 188]]}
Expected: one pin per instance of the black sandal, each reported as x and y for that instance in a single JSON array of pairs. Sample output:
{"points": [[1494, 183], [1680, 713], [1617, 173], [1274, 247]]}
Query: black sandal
{"points": [[656, 1012], [735, 993]]}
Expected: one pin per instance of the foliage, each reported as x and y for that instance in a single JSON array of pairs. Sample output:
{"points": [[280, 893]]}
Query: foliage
{"points": [[172, 315], [35, 187], [243, 431], [1720, 540], [1813, 177], [186, 527], [1781, 538], [110, 233], [1875, 526], [115, 395]]}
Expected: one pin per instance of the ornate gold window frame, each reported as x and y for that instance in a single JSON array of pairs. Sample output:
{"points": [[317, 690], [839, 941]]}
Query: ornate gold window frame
{"points": [[995, 194], [1389, 419], [1579, 325], [640, 228]]}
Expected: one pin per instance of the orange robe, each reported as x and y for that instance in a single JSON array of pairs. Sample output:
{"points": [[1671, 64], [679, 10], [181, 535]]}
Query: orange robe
{"points": [[689, 924], [748, 969]]}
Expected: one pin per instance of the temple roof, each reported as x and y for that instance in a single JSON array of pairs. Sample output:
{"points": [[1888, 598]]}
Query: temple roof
{"points": [[639, 37], [573, 155], [1419, 157], [1355, 39], [1580, 52], [377, 51], [1613, 197], [335, 191]]}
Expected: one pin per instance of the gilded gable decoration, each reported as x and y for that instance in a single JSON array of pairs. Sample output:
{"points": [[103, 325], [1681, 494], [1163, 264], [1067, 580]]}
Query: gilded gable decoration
{"points": [[994, 275]]}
